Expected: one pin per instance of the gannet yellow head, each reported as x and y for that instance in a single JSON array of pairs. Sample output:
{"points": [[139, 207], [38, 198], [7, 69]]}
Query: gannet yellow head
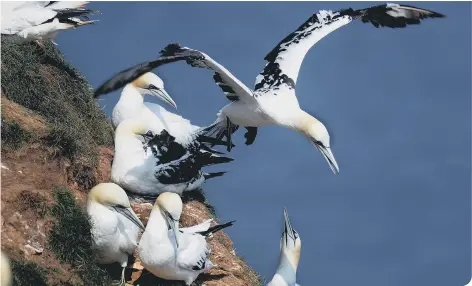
{"points": [[112, 196], [290, 243], [133, 127], [150, 84], [319, 137], [170, 205]]}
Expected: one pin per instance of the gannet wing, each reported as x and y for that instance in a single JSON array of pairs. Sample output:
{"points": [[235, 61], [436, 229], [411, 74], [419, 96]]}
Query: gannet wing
{"points": [[232, 87], [284, 61], [128, 75], [204, 226], [24, 16], [193, 252], [58, 5]]}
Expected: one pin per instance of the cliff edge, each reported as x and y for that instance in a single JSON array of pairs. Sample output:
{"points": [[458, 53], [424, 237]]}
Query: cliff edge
{"points": [[56, 145]]}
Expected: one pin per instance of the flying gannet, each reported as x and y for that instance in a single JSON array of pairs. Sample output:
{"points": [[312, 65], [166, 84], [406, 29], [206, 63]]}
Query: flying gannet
{"points": [[290, 246], [149, 164], [114, 225], [273, 100], [169, 252], [39, 20]]}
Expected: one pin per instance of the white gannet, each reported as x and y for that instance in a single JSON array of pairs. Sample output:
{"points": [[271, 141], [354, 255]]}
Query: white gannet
{"points": [[39, 20], [290, 246], [6, 275], [169, 252], [114, 224], [158, 163], [273, 100]]}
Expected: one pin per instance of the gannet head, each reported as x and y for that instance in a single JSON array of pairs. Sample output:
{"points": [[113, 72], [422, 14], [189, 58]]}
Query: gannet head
{"points": [[150, 84], [170, 205], [290, 243], [133, 127], [113, 197], [319, 137]]}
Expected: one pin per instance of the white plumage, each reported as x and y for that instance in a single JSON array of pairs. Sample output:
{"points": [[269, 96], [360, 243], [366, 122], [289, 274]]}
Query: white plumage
{"points": [[154, 163], [172, 253], [115, 226], [131, 105], [290, 247], [273, 100], [40, 20]]}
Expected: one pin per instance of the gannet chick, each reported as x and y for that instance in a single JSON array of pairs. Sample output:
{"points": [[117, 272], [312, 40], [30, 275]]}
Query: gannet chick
{"points": [[169, 252], [6, 276], [115, 226], [290, 246]]}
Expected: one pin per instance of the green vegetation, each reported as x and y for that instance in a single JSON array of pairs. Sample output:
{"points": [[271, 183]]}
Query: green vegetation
{"points": [[13, 135], [27, 274], [71, 241], [39, 79]]}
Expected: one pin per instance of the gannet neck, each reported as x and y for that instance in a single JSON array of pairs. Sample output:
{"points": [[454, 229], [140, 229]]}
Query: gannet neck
{"points": [[131, 95], [304, 122], [157, 225], [286, 274]]}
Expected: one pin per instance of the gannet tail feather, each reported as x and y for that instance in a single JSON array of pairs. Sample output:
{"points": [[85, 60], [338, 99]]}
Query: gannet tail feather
{"points": [[216, 228], [208, 159], [213, 175]]}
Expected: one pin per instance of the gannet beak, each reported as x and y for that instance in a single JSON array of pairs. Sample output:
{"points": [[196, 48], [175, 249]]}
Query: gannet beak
{"points": [[171, 223], [129, 214], [162, 94], [289, 235], [328, 155]]}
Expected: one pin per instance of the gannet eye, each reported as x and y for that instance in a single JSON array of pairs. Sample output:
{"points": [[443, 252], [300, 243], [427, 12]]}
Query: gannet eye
{"points": [[151, 86]]}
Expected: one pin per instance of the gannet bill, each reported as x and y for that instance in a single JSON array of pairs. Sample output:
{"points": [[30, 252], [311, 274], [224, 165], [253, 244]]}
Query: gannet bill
{"points": [[158, 163], [273, 100], [170, 253], [115, 226], [39, 20], [6, 275], [290, 246]]}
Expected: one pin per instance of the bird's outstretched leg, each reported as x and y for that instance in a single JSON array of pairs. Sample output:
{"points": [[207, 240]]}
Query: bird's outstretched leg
{"points": [[250, 135], [230, 129]]}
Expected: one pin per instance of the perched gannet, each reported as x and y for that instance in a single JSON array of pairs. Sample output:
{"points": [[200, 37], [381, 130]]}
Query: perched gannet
{"points": [[115, 226], [6, 276], [170, 253], [273, 100], [158, 163], [290, 246], [39, 20]]}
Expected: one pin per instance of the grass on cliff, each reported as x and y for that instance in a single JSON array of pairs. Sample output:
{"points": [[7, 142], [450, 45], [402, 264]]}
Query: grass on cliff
{"points": [[27, 274], [13, 135], [39, 79], [70, 239]]}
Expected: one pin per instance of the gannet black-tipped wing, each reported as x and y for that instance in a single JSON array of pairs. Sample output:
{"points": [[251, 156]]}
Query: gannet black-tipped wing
{"points": [[128, 75], [284, 61], [232, 87]]}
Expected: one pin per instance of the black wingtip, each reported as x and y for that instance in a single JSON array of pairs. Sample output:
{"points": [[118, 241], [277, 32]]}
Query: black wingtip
{"points": [[213, 175], [170, 50], [217, 228]]}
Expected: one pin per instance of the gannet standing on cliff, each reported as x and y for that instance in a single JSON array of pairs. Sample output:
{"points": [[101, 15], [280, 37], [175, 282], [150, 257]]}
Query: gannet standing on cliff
{"points": [[290, 246], [170, 253], [273, 100], [115, 226], [158, 163], [39, 20]]}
